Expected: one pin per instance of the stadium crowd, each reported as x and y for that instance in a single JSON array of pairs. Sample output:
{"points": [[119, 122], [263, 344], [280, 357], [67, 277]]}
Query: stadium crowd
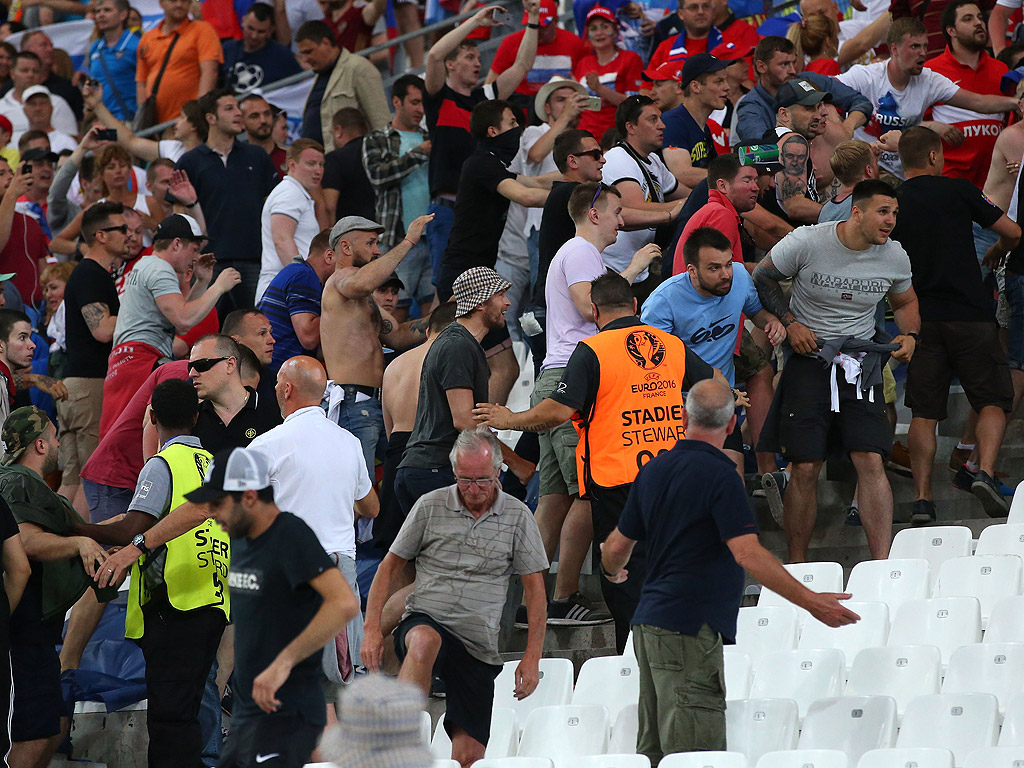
{"points": [[261, 371]]}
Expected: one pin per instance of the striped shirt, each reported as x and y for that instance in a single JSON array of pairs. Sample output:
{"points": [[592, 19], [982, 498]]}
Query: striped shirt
{"points": [[296, 289], [463, 564]]}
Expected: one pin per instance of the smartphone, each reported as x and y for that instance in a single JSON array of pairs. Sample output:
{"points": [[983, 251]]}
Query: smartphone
{"points": [[107, 134], [26, 168], [503, 16], [594, 103]]}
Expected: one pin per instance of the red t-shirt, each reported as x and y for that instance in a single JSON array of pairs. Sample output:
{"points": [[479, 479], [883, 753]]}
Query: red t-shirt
{"points": [[621, 74], [220, 14], [350, 31], [663, 53], [829, 67], [117, 461], [719, 214], [971, 159], [557, 58], [26, 246]]}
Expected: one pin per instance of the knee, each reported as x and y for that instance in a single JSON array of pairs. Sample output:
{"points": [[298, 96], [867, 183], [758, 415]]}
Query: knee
{"points": [[466, 750], [804, 471], [422, 645], [868, 464]]}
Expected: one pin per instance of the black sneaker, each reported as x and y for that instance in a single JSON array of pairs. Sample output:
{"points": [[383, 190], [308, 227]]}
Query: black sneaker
{"points": [[522, 620], [990, 494], [851, 517], [774, 484], [923, 512], [437, 688], [576, 610], [963, 479], [227, 701]]}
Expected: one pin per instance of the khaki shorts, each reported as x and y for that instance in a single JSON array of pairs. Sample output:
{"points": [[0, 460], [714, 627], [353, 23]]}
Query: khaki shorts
{"points": [[557, 464], [751, 358], [888, 383], [79, 418]]}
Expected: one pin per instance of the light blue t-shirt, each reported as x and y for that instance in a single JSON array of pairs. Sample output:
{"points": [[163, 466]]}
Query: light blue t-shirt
{"points": [[707, 324], [416, 185]]}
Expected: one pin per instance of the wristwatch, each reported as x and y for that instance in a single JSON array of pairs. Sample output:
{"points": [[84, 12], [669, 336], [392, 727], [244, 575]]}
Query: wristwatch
{"points": [[139, 541], [915, 336]]}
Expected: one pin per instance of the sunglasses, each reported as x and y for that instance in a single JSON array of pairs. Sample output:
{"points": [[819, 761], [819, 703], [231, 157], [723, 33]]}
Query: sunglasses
{"points": [[123, 229], [600, 189], [595, 154], [203, 364]]}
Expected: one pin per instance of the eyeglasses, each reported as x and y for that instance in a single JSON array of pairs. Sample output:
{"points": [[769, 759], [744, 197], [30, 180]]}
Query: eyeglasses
{"points": [[481, 482], [203, 364], [123, 229], [594, 154]]}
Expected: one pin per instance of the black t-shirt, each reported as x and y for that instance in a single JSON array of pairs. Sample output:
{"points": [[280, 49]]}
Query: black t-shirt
{"points": [[556, 229], [451, 143], [88, 283], [312, 127], [8, 530], [271, 603], [582, 374], [934, 226], [257, 416], [480, 212], [454, 361], [344, 171], [692, 577]]}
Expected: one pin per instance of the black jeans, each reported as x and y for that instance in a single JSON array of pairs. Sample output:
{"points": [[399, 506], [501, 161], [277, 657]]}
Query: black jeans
{"points": [[413, 482], [179, 648], [622, 599]]}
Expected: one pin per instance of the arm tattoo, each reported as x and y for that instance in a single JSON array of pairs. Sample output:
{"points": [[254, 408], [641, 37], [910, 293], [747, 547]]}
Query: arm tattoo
{"points": [[94, 314], [386, 326], [792, 179], [419, 327], [537, 427], [766, 279]]}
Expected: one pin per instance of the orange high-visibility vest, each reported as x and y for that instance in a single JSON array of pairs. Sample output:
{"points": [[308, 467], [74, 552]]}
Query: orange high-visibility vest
{"points": [[638, 411]]}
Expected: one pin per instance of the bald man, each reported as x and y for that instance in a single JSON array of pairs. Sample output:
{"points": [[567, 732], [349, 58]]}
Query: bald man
{"points": [[327, 497]]}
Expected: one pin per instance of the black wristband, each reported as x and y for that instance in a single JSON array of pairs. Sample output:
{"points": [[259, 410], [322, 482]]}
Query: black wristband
{"points": [[915, 336], [532, 25]]}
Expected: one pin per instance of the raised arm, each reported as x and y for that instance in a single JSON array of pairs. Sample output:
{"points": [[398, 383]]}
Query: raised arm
{"points": [[368, 278], [509, 80], [435, 74], [147, 149], [997, 22], [184, 315]]}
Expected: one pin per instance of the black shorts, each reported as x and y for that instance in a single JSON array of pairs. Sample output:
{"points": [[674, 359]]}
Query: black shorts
{"points": [[469, 682], [38, 702], [971, 351], [808, 428], [271, 741], [734, 440]]}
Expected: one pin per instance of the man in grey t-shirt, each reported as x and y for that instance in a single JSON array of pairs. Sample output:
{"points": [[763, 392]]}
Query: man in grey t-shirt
{"points": [[154, 307], [840, 272], [467, 540]]}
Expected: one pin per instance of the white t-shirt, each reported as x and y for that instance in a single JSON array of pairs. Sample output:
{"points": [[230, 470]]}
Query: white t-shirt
{"points": [[172, 149], [513, 248], [620, 165], [290, 199], [63, 118], [59, 141], [322, 494], [578, 261], [895, 110]]}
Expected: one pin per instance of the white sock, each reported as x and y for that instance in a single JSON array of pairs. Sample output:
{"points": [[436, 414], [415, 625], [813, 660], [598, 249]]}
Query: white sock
{"points": [[972, 466], [961, 447]]}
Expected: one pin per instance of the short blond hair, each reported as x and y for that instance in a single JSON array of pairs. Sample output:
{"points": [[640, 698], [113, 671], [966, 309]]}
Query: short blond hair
{"points": [[849, 159], [299, 146]]}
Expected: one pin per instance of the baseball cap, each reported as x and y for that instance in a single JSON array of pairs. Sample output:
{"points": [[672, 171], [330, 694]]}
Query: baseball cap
{"points": [[802, 92], [598, 12], [475, 286], [5, 124], [670, 70], [394, 279], [732, 51], [5, 276], [179, 225], [35, 90], [39, 154], [700, 64], [232, 471], [552, 85], [352, 224], [20, 430], [548, 13]]}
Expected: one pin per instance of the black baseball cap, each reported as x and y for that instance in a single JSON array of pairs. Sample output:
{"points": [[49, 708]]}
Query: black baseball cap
{"points": [[700, 64], [39, 154], [179, 225], [802, 92]]}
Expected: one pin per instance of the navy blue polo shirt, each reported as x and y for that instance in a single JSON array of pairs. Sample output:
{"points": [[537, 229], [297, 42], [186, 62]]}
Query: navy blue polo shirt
{"points": [[682, 132], [232, 197], [684, 505], [296, 289]]}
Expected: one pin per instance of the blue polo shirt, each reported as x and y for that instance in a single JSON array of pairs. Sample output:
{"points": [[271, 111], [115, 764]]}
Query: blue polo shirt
{"points": [[120, 60], [692, 577], [232, 197], [682, 132], [294, 290]]}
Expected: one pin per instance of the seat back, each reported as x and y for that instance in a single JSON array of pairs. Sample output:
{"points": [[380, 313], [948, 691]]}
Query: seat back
{"points": [[739, 674], [502, 742], [817, 577], [802, 675], [554, 688], [763, 629], [853, 724], [902, 672], [1006, 539], [995, 757], [996, 668], [945, 622], [704, 760], [990, 578], [804, 758], [757, 726], [871, 631], [612, 761], [1006, 624], [512, 762], [1016, 514], [611, 681], [624, 730], [936, 544], [960, 722], [892, 582], [1012, 733], [919, 757], [565, 732]]}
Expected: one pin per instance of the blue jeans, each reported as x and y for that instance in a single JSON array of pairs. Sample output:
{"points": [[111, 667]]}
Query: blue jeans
{"points": [[1015, 298], [209, 718], [105, 501], [365, 420], [437, 235], [417, 272]]}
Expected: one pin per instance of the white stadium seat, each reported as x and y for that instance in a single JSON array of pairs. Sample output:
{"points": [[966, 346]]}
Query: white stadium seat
{"points": [[902, 672], [502, 742], [995, 757], [565, 732], [1012, 733], [945, 622], [801, 675], [1005, 539], [612, 681], [892, 582], [739, 674], [554, 688], [936, 544], [996, 668], [960, 722], [757, 726], [510, 762], [990, 578], [425, 726], [1017, 506], [762, 629], [704, 760], [629, 651], [804, 758], [871, 631], [817, 577], [1006, 624], [624, 728], [611, 761], [445, 763], [911, 757], [853, 724]]}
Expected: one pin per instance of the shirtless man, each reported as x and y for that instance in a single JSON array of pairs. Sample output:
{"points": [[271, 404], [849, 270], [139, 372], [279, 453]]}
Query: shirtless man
{"points": [[353, 327]]}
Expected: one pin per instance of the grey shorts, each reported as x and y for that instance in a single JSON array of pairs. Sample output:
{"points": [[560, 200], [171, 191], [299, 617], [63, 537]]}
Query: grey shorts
{"points": [[557, 464]]}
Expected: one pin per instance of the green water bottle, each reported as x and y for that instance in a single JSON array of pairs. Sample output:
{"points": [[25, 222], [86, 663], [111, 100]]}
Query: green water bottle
{"points": [[758, 154]]}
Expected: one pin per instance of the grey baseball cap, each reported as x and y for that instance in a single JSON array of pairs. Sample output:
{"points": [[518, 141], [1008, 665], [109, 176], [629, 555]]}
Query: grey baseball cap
{"points": [[352, 224]]}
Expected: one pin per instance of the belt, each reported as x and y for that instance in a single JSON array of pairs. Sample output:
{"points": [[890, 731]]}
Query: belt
{"points": [[351, 390], [446, 202]]}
